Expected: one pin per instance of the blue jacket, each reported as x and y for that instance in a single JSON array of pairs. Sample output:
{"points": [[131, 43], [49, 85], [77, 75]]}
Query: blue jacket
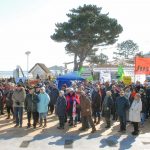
{"points": [[122, 104], [43, 102]]}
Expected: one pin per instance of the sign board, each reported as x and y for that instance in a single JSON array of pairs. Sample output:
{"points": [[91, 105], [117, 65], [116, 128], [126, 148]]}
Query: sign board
{"points": [[86, 73], [127, 80], [142, 65], [105, 76]]}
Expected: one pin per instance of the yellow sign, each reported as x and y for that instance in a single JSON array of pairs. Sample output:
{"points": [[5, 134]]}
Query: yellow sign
{"points": [[127, 80]]}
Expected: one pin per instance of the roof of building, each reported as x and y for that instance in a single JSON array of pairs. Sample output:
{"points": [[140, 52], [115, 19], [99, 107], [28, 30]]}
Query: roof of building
{"points": [[42, 66], [57, 67]]}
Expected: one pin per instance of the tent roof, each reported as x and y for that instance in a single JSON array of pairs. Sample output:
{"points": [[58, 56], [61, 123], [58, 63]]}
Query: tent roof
{"points": [[70, 76]]}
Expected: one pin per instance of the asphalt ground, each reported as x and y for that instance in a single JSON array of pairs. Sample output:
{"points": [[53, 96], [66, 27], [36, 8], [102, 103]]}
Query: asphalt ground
{"points": [[70, 138]]}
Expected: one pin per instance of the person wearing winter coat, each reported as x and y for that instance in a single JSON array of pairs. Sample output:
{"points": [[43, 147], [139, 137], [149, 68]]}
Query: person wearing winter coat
{"points": [[127, 96], [148, 101], [53, 96], [115, 94], [61, 109], [18, 98], [86, 111], [31, 102], [96, 104], [1, 101], [106, 108], [72, 102], [9, 102], [122, 105], [144, 106], [43, 106], [135, 113]]}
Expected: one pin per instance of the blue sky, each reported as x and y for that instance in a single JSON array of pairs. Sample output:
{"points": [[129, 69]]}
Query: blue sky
{"points": [[26, 25]]}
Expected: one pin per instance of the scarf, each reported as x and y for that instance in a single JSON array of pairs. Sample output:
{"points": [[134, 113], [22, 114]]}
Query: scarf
{"points": [[74, 110]]}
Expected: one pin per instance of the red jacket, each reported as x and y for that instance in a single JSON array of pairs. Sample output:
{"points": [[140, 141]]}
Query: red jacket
{"points": [[70, 99]]}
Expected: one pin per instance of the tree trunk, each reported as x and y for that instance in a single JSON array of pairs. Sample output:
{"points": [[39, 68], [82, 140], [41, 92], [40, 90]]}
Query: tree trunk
{"points": [[80, 64], [75, 63]]}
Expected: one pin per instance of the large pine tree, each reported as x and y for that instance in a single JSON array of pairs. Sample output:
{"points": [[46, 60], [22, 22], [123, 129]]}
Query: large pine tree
{"points": [[86, 28]]}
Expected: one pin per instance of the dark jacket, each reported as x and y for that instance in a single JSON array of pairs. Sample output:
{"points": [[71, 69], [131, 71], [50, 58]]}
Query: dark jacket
{"points": [[96, 101], [85, 104], [1, 96], [122, 104], [61, 106], [31, 102], [107, 106], [9, 101], [53, 96], [148, 94], [144, 103]]}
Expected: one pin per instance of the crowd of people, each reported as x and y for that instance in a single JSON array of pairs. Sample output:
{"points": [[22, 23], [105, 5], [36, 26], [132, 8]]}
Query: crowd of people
{"points": [[84, 102]]}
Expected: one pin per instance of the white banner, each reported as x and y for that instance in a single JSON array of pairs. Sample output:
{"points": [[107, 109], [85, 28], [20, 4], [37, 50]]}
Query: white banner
{"points": [[105, 76]]}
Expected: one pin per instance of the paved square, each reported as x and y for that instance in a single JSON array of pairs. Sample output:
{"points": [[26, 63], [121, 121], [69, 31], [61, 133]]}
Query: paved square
{"points": [[70, 138]]}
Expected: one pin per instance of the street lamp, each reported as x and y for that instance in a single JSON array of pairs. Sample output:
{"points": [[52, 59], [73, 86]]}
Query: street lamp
{"points": [[27, 53]]}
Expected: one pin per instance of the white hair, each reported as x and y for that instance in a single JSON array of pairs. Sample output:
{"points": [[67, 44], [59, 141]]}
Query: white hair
{"points": [[62, 92], [108, 93]]}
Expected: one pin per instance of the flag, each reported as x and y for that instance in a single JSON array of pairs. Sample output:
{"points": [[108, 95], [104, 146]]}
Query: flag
{"points": [[120, 73], [90, 78], [82, 69]]}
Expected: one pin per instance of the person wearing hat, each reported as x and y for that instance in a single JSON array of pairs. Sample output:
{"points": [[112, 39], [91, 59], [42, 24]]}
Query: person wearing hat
{"points": [[31, 102], [18, 98], [43, 106], [37, 88]]}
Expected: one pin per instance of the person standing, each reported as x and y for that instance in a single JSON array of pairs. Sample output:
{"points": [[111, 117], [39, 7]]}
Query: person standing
{"points": [[72, 101], [37, 91], [43, 106], [86, 111], [1, 100], [135, 113], [31, 102], [106, 108], [148, 101], [18, 98], [53, 95], [61, 109], [122, 105], [127, 96], [9, 101], [96, 104], [144, 106], [115, 94]]}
